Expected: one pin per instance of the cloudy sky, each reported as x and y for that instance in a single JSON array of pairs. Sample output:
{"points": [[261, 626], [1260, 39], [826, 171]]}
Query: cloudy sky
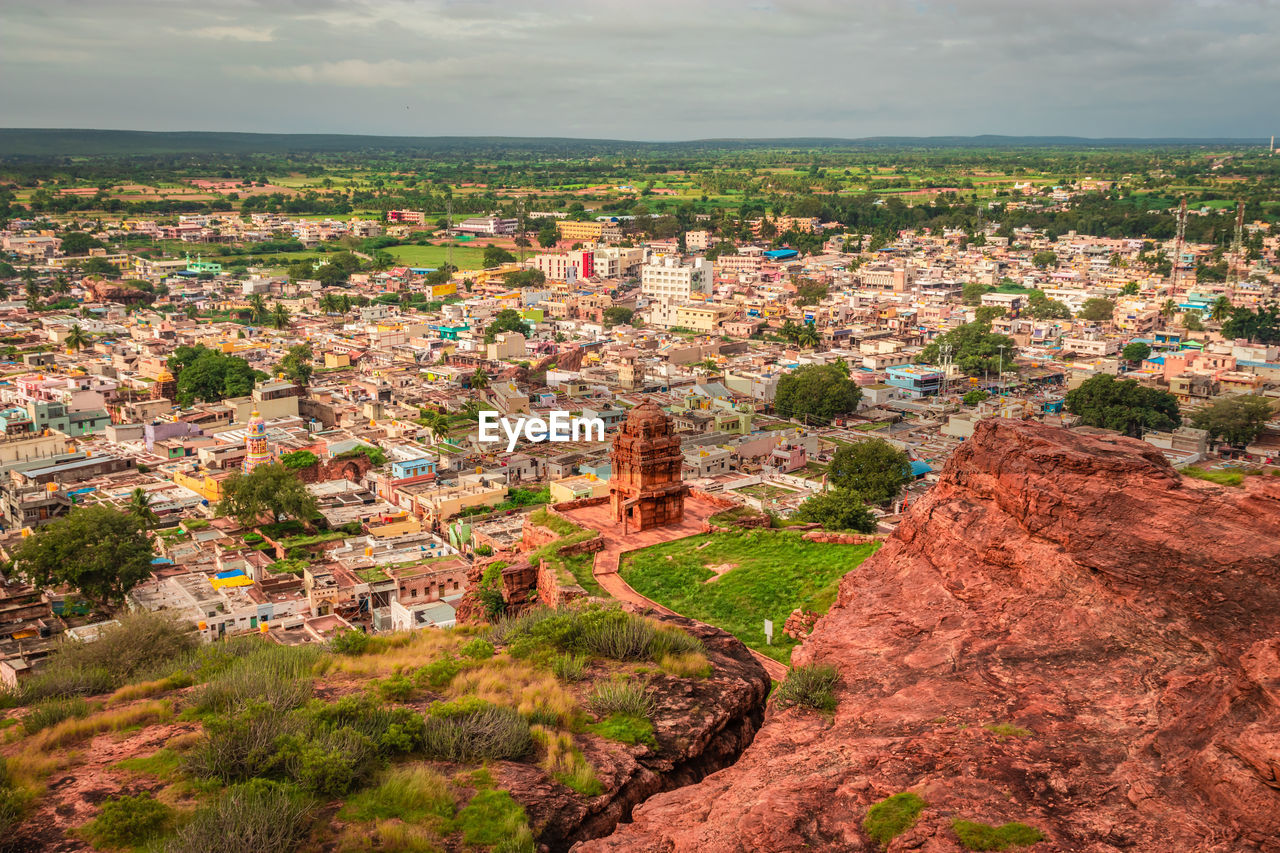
{"points": [[646, 69]]}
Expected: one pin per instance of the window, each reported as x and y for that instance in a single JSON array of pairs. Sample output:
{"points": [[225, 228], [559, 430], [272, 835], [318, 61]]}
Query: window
{"points": [[413, 593]]}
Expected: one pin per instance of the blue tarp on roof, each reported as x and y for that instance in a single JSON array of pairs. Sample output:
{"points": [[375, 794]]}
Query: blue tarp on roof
{"points": [[919, 468], [234, 573], [781, 254]]}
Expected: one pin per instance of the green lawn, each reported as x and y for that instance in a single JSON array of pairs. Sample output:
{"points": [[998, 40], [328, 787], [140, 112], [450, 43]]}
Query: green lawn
{"points": [[464, 257], [775, 572]]}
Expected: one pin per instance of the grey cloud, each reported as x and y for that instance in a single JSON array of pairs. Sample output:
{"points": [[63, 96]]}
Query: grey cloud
{"points": [[660, 69]]}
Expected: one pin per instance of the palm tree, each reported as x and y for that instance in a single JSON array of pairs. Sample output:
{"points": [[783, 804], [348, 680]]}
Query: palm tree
{"points": [[191, 311], [329, 303], [140, 508], [1168, 309], [436, 423], [280, 317], [257, 308], [61, 284], [344, 303], [808, 336], [33, 290], [1220, 310], [4, 290], [76, 338], [479, 379]]}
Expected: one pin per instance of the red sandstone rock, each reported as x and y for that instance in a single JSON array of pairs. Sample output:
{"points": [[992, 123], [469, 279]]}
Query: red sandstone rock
{"points": [[1071, 585], [800, 624]]}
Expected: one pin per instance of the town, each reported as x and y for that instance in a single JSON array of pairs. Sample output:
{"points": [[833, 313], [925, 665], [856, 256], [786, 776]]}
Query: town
{"points": [[278, 401]]}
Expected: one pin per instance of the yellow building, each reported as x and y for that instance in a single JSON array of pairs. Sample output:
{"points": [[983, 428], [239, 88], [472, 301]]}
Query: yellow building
{"points": [[702, 318], [579, 231], [336, 359], [578, 487], [202, 483]]}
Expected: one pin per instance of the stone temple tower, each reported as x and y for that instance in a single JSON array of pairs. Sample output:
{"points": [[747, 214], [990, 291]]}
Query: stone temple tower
{"points": [[645, 487]]}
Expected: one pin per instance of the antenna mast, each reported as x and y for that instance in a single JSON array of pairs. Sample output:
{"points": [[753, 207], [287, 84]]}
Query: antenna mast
{"points": [[1177, 244], [1237, 250], [448, 252]]}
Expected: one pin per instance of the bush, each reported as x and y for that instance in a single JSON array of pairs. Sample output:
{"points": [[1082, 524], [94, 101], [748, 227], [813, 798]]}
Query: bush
{"points": [[891, 817], [250, 818], [620, 697], [475, 730], [328, 763], [140, 642], [438, 674], [396, 688], [237, 748], [350, 642], [565, 763], [128, 822], [276, 675], [569, 667], [10, 800], [810, 687], [981, 836], [392, 729], [479, 649], [596, 629], [53, 711]]}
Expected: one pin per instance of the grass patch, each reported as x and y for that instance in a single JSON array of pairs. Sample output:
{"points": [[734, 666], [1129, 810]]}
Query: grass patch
{"points": [[162, 764], [688, 665], [565, 763], [50, 712], [625, 729], [411, 794], [258, 815], [776, 573], [983, 836], [1222, 478], [493, 819], [810, 686], [554, 523], [621, 697], [1007, 730], [75, 730], [891, 817]]}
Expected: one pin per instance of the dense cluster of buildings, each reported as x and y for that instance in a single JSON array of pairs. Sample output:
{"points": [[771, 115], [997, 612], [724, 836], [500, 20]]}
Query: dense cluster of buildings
{"points": [[386, 421]]}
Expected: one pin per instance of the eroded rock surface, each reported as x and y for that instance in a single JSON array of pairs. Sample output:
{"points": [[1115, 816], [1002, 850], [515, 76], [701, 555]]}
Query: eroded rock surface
{"points": [[1065, 632]]}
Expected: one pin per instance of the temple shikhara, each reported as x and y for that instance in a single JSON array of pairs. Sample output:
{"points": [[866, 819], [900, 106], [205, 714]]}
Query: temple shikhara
{"points": [[646, 489], [257, 450]]}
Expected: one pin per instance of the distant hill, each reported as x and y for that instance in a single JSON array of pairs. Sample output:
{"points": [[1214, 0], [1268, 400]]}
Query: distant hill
{"points": [[42, 143]]}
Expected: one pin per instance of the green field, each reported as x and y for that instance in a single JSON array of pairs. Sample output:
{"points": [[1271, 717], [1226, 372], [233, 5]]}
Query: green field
{"points": [[773, 573], [464, 257]]}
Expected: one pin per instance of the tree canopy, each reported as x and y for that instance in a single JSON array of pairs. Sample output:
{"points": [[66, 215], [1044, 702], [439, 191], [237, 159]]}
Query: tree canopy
{"points": [[1261, 326], [208, 375], [508, 320], [818, 391], [268, 489], [296, 364], [839, 509], [496, 256], [99, 551], [1097, 310], [1123, 405], [975, 348], [618, 316], [1236, 420], [873, 470], [1136, 351]]}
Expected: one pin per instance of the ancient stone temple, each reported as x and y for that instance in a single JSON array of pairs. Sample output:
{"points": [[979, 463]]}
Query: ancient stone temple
{"points": [[645, 489]]}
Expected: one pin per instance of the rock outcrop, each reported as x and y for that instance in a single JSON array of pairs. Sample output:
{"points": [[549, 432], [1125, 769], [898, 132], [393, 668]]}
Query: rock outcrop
{"points": [[1065, 633]]}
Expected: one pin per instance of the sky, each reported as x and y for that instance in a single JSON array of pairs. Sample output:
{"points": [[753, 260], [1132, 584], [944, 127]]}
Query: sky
{"points": [[646, 69]]}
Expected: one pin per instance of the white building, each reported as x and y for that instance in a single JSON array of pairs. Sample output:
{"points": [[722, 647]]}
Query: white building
{"points": [[667, 279]]}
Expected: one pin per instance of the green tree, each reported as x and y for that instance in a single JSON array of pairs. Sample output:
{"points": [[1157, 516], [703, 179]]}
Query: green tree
{"points": [[296, 364], [809, 292], [99, 551], [1125, 406], [1041, 307], [973, 292], [1236, 420], [817, 392], [1261, 326], [548, 235], [140, 508], [1220, 310], [618, 316], [1136, 352], [210, 376], [271, 490], [76, 338], [839, 509], [479, 379], [257, 308], [1097, 310], [976, 396], [1191, 322], [508, 320], [1045, 258], [496, 256], [975, 349], [808, 336], [874, 470], [280, 317], [1168, 309]]}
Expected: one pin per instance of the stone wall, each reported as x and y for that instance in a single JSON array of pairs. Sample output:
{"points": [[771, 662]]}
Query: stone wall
{"points": [[551, 591], [352, 469], [844, 538], [564, 506]]}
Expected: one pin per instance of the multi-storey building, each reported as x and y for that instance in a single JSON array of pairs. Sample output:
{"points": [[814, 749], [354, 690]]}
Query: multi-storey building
{"points": [[668, 280]]}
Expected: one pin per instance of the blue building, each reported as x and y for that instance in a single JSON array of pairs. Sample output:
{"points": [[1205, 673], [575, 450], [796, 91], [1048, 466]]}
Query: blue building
{"points": [[917, 380], [413, 468]]}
